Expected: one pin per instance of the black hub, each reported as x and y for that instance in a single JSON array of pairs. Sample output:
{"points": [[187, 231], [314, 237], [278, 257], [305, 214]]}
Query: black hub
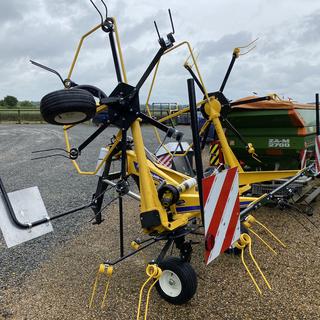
{"points": [[123, 105], [168, 195], [225, 104]]}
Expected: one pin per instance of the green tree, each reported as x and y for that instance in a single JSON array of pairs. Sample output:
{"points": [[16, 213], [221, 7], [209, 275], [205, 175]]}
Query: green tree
{"points": [[26, 104], [10, 101], [1, 103]]}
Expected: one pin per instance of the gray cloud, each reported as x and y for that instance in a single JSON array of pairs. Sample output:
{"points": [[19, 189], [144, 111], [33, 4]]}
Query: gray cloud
{"points": [[286, 59], [214, 48], [309, 29], [13, 11]]}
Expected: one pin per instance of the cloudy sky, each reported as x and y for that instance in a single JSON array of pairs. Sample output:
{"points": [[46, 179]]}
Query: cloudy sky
{"points": [[286, 60]]}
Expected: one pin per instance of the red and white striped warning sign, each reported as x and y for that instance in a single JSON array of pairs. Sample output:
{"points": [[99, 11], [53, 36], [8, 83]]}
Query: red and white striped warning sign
{"points": [[317, 154], [221, 212], [166, 160]]}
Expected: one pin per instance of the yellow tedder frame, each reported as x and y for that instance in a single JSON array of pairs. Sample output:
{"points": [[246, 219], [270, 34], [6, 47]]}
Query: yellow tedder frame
{"points": [[169, 200], [151, 173]]}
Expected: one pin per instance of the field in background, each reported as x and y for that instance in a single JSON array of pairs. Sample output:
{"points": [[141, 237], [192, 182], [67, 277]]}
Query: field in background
{"points": [[33, 115], [20, 115]]}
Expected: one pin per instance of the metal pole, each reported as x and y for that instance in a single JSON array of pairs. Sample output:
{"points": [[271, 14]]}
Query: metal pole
{"points": [[121, 225], [115, 56], [317, 115], [123, 178], [19, 116], [196, 140]]}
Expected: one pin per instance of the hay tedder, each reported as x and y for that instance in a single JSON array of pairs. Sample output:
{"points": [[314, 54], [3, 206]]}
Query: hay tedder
{"points": [[173, 205]]}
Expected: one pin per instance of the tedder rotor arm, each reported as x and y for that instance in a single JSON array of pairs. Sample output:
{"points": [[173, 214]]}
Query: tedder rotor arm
{"points": [[170, 132], [195, 78], [151, 66], [224, 119], [164, 45], [248, 101], [76, 151], [235, 55], [226, 105]]}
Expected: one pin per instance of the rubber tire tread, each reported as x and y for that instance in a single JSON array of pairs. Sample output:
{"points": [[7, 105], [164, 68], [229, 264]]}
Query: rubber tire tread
{"points": [[71, 100], [187, 276]]}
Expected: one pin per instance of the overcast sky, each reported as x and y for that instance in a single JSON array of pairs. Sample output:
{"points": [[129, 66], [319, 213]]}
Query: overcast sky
{"points": [[286, 60]]}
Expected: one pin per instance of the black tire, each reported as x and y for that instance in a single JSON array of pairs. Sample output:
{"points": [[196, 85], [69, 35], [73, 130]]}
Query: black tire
{"points": [[175, 270], [70, 106]]}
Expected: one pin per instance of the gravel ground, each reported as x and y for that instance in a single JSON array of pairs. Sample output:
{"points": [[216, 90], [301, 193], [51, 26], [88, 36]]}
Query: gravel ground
{"points": [[51, 277]]}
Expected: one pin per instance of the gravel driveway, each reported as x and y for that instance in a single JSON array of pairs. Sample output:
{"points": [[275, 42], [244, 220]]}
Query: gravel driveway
{"points": [[51, 277]]}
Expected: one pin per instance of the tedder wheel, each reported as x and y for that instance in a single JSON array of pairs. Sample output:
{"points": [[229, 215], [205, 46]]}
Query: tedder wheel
{"points": [[178, 282], [69, 106]]}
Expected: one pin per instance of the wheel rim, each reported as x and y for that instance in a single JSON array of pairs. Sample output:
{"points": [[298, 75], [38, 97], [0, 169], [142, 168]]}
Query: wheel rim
{"points": [[170, 283], [70, 117]]}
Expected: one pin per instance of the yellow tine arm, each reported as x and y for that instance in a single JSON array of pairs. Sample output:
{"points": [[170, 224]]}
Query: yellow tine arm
{"points": [[95, 284], [256, 264], [109, 274], [241, 245], [154, 272], [263, 241], [270, 232], [140, 296], [94, 289], [251, 220]]}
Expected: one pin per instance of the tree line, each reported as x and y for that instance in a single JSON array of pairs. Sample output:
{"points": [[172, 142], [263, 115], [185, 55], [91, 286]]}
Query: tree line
{"points": [[13, 102]]}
